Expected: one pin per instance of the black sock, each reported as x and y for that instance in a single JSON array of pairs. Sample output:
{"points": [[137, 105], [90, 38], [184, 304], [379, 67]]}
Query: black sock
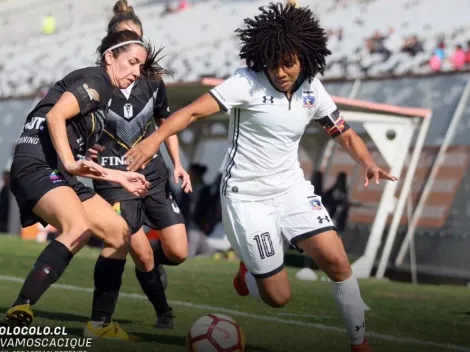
{"points": [[160, 257], [108, 278], [153, 288], [48, 268]]}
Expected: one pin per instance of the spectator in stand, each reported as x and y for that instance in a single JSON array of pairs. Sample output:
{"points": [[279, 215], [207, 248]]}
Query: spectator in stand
{"points": [[375, 45], [183, 5], [208, 212], [458, 58], [190, 206], [168, 8], [438, 57], [467, 54], [317, 182], [336, 200], [412, 46], [189, 201]]}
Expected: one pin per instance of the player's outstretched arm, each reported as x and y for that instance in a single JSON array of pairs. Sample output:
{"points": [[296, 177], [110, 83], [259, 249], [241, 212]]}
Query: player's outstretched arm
{"points": [[139, 156], [133, 182], [66, 108], [357, 149]]}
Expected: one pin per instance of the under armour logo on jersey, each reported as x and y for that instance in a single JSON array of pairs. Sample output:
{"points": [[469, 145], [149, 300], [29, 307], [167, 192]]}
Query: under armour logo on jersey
{"points": [[128, 111], [268, 98], [321, 219]]}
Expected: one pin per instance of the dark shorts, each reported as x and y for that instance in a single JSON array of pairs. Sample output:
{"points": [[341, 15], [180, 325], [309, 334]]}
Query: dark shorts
{"points": [[32, 178], [157, 211]]}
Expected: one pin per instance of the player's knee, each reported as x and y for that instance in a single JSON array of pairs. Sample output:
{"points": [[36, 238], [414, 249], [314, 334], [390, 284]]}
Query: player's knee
{"points": [[117, 234], [79, 231], [339, 268], [177, 255], [278, 300], [145, 260], [276, 296]]}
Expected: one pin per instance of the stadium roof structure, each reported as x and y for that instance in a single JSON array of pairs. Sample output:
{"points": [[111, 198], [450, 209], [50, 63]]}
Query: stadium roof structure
{"points": [[398, 133]]}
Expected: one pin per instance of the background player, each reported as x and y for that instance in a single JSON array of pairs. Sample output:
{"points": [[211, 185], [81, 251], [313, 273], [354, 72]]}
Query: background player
{"points": [[49, 156], [131, 118], [264, 192]]}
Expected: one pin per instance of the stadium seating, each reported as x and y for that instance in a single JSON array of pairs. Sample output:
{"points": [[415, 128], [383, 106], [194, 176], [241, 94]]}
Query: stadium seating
{"points": [[201, 41]]}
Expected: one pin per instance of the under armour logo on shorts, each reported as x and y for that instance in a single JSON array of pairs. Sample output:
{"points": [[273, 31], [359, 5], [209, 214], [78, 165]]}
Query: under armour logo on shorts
{"points": [[321, 219], [270, 99]]}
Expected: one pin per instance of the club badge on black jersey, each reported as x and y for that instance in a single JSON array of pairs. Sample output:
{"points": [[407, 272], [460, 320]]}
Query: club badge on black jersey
{"points": [[132, 116]]}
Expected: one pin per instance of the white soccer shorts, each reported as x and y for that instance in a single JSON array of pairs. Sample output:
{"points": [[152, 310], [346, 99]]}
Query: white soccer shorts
{"points": [[255, 228]]}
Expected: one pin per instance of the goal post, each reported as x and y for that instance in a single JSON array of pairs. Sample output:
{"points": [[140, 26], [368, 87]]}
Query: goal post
{"points": [[393, 129]]}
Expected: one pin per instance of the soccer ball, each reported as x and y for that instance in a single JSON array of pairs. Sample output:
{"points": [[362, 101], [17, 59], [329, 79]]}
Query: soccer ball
{"points": [[215, 333]]}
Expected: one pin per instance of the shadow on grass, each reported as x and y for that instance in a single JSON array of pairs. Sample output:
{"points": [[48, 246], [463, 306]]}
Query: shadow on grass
{"points": [[61, 316]]}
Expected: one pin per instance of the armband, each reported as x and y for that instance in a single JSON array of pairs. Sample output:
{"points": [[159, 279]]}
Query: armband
{"points": [[334, 124]]}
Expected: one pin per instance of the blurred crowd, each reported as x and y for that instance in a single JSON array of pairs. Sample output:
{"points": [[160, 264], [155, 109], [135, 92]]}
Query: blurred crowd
{"points": [[387, 43], [174, 6], [459, 57]]}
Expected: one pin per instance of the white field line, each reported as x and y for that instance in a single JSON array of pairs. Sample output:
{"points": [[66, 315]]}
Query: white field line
{"points": [[214, 309]]}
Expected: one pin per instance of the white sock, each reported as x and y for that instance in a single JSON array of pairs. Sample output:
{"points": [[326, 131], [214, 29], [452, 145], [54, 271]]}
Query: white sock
{"points": [[252, 285], [97, 324], [349, 300]]}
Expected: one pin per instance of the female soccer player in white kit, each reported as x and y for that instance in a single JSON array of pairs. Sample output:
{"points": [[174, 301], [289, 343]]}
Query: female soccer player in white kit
{"points": [[264, 192]]}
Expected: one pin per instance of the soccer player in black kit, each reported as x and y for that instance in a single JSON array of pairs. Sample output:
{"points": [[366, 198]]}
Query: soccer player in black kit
{"points": [[50, 154], [133, 115]]}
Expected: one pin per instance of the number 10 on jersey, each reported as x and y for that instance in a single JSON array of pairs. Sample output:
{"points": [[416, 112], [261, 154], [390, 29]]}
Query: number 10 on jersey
{"points": [[265, 245]]}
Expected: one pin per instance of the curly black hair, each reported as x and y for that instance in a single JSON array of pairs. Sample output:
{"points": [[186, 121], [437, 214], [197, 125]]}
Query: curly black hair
{"points": [[281, 32]]}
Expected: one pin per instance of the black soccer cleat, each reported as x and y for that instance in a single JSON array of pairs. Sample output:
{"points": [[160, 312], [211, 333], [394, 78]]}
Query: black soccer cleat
{"points": [[165, 321], [162, 274]]}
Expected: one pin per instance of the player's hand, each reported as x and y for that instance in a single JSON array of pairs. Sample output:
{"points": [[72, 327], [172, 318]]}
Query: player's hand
{"points": [[86, 168], [375, 172], [134, 183], [141, 154], [92, 153], [180, 173]]}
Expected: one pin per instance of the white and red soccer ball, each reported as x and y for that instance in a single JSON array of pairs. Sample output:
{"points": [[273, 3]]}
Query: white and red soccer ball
{"points": [[215, 333]]}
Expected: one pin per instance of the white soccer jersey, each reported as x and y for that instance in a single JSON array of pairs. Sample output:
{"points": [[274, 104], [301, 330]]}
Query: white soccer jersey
{"points": [[265, 131]]}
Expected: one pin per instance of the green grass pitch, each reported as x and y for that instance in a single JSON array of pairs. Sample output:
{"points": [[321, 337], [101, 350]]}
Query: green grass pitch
{"points": [[403, 317]]}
